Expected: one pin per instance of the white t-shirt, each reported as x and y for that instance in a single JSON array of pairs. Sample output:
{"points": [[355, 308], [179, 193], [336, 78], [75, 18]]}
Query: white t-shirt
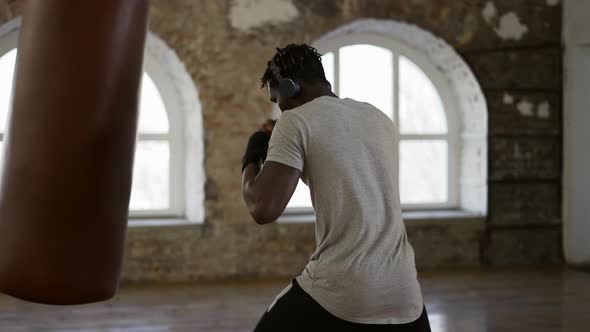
{"points": [[363, 270]]}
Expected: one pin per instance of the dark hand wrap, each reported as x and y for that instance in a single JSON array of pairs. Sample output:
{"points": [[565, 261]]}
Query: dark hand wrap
{"points": [[256, 149]]}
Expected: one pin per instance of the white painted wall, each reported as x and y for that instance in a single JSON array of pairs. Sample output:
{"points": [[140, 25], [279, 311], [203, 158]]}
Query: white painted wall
{"points": [[576, 186]]}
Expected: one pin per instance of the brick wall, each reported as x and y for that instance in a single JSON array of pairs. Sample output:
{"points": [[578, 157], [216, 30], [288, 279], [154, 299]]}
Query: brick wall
{"points": [[513, 48]]}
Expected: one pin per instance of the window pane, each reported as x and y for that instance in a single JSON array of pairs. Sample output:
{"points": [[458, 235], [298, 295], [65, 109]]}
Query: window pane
{"points": [[152, 112], [1, 156], [151, 176], [421, 108], [423, 171], [301, 197], [328, 64], [366, 74], [7, 63], [152, 116]]}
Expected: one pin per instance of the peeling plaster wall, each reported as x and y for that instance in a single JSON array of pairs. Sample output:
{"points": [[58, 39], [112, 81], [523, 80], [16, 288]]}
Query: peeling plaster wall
{"points": [[512, 47], [506, 26], [247, 14]]}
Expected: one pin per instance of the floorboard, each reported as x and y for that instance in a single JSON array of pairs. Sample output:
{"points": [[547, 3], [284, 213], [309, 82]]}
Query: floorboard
{"points": [[470, 301]]}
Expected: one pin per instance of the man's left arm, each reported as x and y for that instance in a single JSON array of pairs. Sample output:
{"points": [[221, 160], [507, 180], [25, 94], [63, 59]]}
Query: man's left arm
{"points": [[267, 190]]}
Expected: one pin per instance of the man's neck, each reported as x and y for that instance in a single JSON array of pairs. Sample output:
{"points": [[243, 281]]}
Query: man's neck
{"points": [[318, 93]]}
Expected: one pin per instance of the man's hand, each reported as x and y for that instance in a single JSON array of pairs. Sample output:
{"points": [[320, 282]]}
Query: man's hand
{"points": [[256, 149], [267, 190], [258, 144]]}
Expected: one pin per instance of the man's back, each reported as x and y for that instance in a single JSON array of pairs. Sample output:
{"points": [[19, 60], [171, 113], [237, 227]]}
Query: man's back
{"points": [[363, 269]]}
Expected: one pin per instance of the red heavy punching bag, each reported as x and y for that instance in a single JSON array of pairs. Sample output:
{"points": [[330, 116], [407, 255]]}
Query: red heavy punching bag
{"points": [[69, 150]]}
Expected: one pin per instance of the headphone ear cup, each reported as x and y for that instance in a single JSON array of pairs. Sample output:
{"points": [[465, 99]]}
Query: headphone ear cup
{"points": [[289, 88]]}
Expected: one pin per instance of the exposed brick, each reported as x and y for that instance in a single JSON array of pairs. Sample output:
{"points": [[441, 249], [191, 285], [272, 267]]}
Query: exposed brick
{"points": [[543, 23], [518, 69], [13, 8], [211, 190], [279, 250], [225, 65], [518, 113], [325, 9], [524, 203], [535, 246], [462, 23], [446, 243], [5, 12], [524, 158]]}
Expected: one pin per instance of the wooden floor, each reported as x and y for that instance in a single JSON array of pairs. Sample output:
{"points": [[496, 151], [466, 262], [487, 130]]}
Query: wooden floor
{"points": [[471, 301]]}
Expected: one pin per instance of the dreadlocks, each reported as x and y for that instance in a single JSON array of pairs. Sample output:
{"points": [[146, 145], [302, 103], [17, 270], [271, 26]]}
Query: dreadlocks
{"points": [[297, 61]]}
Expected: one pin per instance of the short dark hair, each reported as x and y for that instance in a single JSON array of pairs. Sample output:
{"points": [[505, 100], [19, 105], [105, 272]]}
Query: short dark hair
{"points": [[296, 61]]}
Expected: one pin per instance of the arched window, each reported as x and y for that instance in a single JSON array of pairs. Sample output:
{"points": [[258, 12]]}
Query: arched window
{"points": [[168, 167], [440, 160], [7, 62], [154, 190]]}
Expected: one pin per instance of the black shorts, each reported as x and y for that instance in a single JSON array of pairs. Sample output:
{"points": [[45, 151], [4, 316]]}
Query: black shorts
{"points": [[298, 311]]}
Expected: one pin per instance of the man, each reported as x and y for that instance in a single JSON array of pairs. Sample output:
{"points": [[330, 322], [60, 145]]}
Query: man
{"points": [[362, 276]]}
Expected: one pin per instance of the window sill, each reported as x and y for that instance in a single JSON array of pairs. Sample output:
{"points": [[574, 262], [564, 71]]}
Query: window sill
{"points": [[461, 218], [410, 217], [303, 218], [440, 214], [160, 222]]}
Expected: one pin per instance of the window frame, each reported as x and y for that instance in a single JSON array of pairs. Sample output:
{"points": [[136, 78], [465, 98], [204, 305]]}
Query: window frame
{"points": [[3, 51], [8, 42], [441, 84], [174, 136], [184, 110]]}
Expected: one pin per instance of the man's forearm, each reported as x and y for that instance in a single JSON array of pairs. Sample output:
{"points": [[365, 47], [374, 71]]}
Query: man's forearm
{"points": [[249, 189]]}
